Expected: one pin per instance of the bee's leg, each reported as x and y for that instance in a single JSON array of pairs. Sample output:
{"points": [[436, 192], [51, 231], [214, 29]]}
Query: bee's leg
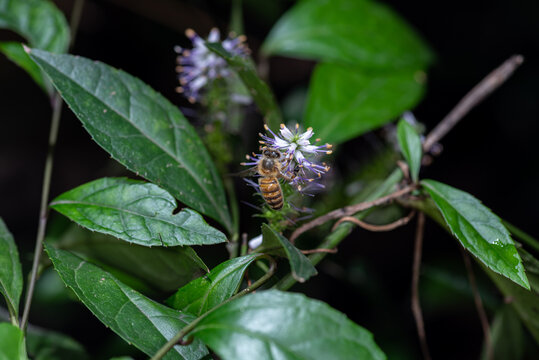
{"points": [[287, 162], [287, 177], [290, 175]]}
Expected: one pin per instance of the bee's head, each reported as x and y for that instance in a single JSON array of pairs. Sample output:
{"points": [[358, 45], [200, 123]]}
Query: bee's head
{"points": [[271, 153]]}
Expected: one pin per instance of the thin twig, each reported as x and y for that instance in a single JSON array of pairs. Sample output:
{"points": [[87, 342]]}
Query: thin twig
{"points": [[478, 304], [350, 210], [490, 83], [49, 161], [314, 251], [334, 238], [178, 338], [416, 307], [376, 228]]}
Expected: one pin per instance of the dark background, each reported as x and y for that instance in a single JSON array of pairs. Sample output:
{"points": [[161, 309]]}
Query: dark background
{"points": [[491, 154]]}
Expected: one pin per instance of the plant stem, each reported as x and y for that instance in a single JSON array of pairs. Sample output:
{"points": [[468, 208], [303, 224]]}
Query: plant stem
{"points": [[76, 13], [416, 306], [188, 328], [236, 17], [377, 228], [233, 245], [350, 210], [12, 315], [43, 212], [484, 88], [47, 173], [478, 303]]}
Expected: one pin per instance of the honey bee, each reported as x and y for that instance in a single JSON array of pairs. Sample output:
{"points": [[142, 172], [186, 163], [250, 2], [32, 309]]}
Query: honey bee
{"points": [[271, 168]]}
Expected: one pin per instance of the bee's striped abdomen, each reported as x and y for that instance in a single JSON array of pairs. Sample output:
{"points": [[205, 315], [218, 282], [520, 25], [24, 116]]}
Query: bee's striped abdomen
{"points": [[271, 191]]}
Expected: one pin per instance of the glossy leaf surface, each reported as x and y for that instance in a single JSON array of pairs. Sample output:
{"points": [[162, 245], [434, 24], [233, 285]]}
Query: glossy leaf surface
{"points": [[410, 144], [10, 270], [478, 230], [346, 102], [161, 268], [359, 32], [135, 211], [278, 325], [140, 129], [11, 343], [42, 24], [274, 243], [258, 89], [135, 318], [206, 292]]}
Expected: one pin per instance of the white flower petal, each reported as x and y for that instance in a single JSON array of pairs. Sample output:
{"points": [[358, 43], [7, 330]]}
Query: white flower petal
{"points": [[280, 143], [197, 83], [307, 134], [287, 134], [309, 148], [292, 147], [214, 35]]}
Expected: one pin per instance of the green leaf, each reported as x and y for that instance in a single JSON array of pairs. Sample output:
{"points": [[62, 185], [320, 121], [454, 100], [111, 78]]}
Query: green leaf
{"points": [[278, 325], [274, 243], [136, 212], [204, 293], [258, 89], [50, 345], [140, 129], [525, 302], [10, 271], [14, 51], [507, 336], [39, 21], [42, 24], [345, 102], [11, 343], [135, 318], [410, 144], [478, 230], [357, 32], [163, 269]]}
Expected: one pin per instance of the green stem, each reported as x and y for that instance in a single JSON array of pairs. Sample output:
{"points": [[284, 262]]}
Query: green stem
{"points": [[43, 212], [334, 238], [527, 239], [188, 328], [236, 17], [12, 314], [47, 173], [233, 245]]}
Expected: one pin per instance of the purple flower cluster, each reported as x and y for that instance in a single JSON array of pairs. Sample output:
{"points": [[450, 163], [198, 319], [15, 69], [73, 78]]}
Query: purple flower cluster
{"points": [[299, 156], [199, 66]]}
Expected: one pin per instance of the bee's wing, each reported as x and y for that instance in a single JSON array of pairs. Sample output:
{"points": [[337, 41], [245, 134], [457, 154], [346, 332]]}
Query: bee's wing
{"points": [[245, 173]]}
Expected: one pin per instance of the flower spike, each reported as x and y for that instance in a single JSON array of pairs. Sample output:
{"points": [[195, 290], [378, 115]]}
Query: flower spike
{"points": [[299, 154], [199, 66]]}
